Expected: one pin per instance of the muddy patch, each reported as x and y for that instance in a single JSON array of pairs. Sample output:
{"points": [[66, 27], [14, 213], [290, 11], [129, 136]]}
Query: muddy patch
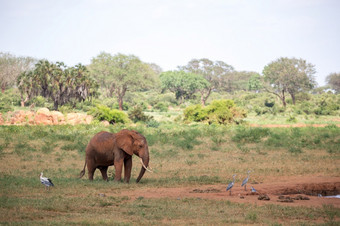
{"points": [[209, 190], [313, 189]]}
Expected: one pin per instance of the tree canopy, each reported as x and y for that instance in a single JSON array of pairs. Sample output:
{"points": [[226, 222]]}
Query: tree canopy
{"points": [[333, 80], [58, 82], [11, 67], [216, 73], [289, 75], [121, 73], [183, 84]]}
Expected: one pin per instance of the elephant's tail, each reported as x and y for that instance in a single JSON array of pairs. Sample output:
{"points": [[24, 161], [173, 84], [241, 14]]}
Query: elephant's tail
{"points": [[82, 173]]}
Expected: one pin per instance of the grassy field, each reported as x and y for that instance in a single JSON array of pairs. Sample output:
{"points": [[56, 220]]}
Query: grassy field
{"points": [[181, 155]]}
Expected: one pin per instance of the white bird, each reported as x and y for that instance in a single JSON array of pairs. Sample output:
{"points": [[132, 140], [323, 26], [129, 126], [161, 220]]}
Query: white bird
{"points": [[253, 189], [244, 183], [231, 184], [46, 181]]}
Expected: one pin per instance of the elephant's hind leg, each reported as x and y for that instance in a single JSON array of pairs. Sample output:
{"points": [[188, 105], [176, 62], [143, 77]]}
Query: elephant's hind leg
{"points": [[91, 168], [103, 170]]}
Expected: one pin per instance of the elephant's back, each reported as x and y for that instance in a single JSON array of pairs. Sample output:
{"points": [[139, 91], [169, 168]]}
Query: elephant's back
{"points": [[101, 141]]}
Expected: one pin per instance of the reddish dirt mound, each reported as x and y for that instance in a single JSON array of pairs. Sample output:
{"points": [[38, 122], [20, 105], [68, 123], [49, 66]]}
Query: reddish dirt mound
{"points": [[290, 191]]}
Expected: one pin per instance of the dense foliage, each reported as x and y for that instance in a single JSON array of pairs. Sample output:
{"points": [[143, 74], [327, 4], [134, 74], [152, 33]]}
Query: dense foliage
{"points": [[11, 67], [103, 113], [289, 75], [216, 73], [333, 80], [184, 85], [218, 112], [285, 88], [58, 82], [121, 73]]}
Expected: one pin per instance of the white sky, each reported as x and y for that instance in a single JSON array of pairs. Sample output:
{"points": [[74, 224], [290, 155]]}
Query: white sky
{"points": [[247, 34]]}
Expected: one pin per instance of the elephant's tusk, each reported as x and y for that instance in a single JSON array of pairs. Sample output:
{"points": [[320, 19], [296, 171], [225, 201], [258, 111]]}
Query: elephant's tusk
{"points": [[145, 166]]}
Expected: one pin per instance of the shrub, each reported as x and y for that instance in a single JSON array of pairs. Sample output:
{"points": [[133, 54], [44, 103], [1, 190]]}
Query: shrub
{"points": [[125, 106], [250, 135], [152, 123], [65, 109], [39, 101], [4, 107], [218, 112], [163, 107], [136, 114], [195, 113], [102, 113]]}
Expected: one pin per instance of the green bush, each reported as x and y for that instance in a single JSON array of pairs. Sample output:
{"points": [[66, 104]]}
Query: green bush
{"points": [[102, 113], [163, 107], [5, 107], [125, 106], [153, 123], [39, 101], [195, 113], [65, 109], [218, 112], [269, 103], [136, 114]]}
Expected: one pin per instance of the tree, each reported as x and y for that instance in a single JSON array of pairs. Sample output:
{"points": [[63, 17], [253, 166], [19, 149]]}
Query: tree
{"points": [[183, 84], [11, 67], [121, 73], [237, 81], [288, 75], [333, 80], [216, 73], [254, 83], [58, 82]]}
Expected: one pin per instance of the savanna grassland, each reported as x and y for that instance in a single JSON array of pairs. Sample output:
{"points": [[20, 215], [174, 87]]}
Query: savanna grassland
{"points": [[182, 156]]}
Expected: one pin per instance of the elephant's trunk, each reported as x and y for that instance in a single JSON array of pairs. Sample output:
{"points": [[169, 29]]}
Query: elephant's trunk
{"points": [[145, 161]]}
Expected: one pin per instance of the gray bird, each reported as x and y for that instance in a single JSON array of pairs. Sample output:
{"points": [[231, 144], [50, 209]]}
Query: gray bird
{"points": [[231, 184], [244, 183], [253, 189], [46, 181]]}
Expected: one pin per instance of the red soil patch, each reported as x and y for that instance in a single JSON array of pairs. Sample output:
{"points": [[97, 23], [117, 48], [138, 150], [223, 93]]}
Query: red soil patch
{"points": [[292, 125], [294, 188]]}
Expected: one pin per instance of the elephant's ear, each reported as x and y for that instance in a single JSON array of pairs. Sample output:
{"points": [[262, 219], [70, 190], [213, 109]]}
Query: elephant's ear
{"points": [[124, 141]]}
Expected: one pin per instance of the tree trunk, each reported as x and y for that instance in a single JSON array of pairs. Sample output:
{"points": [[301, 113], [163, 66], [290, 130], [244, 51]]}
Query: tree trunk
{"points": [[205, 98], [55, 105], [202, 100], [120, 103], [283, 98], [293, 97], [3, 88], [22, 102], [120, 95]]}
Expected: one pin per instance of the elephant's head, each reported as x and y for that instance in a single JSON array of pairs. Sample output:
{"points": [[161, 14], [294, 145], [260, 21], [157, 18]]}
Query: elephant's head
{"points": [[133, 142]]}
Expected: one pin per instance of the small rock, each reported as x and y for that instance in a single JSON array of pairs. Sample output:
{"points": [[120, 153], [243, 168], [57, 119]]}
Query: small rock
{"points": [[263, 197], [241, 197], [281, 197], [101, 195], [300, 197]]}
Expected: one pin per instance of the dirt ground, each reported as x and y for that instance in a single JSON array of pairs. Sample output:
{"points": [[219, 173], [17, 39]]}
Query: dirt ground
{"points": [[299, 125], [292, 191]]}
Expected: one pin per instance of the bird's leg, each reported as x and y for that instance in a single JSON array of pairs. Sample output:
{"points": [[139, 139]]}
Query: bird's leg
{"points": [[245, 187], [230, 192]]}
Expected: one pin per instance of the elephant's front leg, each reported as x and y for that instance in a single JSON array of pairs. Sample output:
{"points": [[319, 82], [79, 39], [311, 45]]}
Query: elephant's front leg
{"points": [[127, 169], [118, 169]]}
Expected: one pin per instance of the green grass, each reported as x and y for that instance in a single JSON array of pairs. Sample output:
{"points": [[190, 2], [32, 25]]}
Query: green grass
{"points": [[181, 155], [288, 119]]}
